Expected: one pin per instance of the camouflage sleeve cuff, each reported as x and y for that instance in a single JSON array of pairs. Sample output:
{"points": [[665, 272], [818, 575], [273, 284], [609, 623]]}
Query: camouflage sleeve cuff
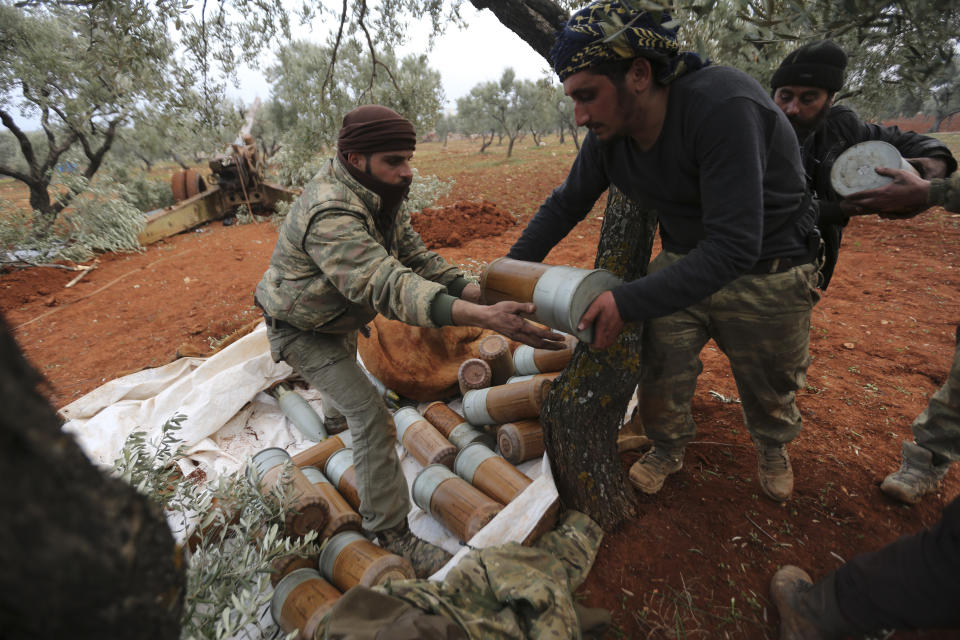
{"points": [[441, 309], [456, 287], [939, 188]]}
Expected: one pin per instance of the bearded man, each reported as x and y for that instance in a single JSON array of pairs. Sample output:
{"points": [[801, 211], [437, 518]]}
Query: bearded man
{"points": [[706, 150], [346, 251], [804, 87]]}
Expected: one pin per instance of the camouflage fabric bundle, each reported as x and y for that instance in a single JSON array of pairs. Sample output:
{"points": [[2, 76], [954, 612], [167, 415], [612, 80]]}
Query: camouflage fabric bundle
{"points": [[499, 593]]}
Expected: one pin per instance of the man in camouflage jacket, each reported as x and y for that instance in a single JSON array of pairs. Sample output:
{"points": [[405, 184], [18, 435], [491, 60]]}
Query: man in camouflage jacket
{"points": [[346, 251]]}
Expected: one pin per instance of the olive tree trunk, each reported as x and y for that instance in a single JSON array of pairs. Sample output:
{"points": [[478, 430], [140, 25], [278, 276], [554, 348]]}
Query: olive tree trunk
{"points": [[587, 402], [585, 409], [83, 554]]}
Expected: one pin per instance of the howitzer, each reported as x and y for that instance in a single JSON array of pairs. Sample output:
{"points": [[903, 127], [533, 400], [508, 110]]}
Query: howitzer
{"points": [[236, 178]]}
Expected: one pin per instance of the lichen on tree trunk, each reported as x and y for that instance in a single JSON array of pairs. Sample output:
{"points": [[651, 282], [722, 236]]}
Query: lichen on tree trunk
{"points": [[587, 402]]}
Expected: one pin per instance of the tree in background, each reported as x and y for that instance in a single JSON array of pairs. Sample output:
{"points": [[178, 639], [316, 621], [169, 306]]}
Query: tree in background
{"points": [[89, 71], [314, 86], [898, 50], [66, 66], [560, 107], [507, 108], [446, 124], [474, 119], [542, 118], [901, 51]]}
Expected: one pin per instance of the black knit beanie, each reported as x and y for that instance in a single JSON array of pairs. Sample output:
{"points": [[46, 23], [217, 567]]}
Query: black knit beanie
{"points": [[818, 64]]}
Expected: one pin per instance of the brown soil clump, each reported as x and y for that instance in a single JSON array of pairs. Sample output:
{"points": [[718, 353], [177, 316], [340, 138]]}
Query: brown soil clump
{"points": [[454, 224]]}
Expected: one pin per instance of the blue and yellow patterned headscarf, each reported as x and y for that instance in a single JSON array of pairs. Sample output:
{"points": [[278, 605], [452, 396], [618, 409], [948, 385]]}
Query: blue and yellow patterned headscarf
{"points": [[610, 30]]}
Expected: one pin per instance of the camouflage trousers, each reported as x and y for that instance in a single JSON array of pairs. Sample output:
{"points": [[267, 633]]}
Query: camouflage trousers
{"points": [[762, 324], [329, 363], [498, 593], [937, 428]]}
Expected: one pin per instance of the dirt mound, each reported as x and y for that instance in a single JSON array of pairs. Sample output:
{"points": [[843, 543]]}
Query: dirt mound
{"points": [[454, 224]]}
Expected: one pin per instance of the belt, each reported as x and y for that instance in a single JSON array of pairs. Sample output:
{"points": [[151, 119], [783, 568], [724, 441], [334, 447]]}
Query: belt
{"points": [[276, 324], [778, 265], [272, 322]]}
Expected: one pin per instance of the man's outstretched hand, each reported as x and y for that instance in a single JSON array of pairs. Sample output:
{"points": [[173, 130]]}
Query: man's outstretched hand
{"points": [[504, 318], [605, 317]]}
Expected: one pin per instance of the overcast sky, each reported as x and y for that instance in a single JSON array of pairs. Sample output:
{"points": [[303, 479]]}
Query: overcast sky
{"points": [[464, 58]]}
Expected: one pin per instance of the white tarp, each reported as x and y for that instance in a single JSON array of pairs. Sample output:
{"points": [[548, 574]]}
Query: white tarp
{"points": [[229, 417]]}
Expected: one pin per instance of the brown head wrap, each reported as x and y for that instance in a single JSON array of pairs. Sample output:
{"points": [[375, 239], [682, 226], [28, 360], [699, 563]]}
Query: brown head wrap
{"points": [[373, 128]]}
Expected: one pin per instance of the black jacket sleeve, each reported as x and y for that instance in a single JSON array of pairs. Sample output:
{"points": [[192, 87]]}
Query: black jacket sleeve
{"points": [[566, 206]]}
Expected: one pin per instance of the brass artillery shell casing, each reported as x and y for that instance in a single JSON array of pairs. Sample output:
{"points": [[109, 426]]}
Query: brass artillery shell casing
{"points": [[473, 374], [342, 515], [422, 440], [521, 440], [442, 417], [339, 470], [495, 351], [507, 279], [349, 559], [506, 403], [310, 509], [494, 476], [530, 376], [527, 360], [318, 454], [285, 565], [460, 507], [455, 427], [230, 514], [561, 294], [301, 600]]}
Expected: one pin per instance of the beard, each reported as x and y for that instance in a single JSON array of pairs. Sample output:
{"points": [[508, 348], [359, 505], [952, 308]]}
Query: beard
{"points": [[804, 128]]}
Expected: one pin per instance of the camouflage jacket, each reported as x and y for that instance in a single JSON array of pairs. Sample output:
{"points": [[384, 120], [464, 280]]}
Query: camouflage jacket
{"points": [[946, 193], [332, 269]]}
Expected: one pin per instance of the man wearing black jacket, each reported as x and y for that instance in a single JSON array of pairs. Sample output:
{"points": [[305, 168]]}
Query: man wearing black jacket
{"points": [[704, 147], [804, 87]]}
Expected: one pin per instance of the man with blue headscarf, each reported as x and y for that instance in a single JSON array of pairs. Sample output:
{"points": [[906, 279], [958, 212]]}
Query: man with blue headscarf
{"points": [[705, 149]]}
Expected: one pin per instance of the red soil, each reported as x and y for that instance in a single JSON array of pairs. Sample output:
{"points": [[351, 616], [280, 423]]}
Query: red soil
{"points": [[699, 555], [923, 124], [454, 224]]}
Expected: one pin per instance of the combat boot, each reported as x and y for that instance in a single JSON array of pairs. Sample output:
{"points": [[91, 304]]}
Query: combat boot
{"points": [[593, 622], [774, 471], [648, 473], [334, 424], [787, 590], [917, 475], [808, 610], [425, 558]]}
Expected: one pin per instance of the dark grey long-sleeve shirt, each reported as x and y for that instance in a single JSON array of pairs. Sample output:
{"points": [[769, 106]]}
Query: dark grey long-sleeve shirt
{"points": [[724, 179]]}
